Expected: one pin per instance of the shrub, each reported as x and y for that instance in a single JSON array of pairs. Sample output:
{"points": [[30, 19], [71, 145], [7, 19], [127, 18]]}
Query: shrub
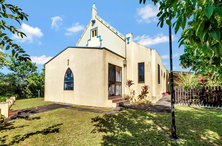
{"points": [[2, 98], [143, 93]]}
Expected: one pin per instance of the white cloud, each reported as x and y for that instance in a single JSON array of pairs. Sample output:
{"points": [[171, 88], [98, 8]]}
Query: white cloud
{"points": [[68, 33], [40, 43], [74, 29], [146, 40], [165, 56], [148, 13], [40, 60], [31, 32], [176, 55], [56, 22], [165, 63]]}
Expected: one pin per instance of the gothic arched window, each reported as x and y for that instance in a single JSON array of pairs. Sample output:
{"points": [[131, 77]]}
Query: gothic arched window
{"points": [[68, 80]]}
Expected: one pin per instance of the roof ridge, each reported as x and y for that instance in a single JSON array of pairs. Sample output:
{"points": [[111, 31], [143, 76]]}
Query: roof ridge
{"points": [[83, 32], [110, 27]]}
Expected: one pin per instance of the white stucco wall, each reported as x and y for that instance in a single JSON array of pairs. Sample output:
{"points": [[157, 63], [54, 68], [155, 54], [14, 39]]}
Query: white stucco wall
{"points": [[105, 37]]}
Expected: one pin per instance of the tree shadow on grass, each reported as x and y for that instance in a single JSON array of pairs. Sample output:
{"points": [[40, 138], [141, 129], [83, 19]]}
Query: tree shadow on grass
{"points": [[131, 127], [9, 125], [18, 138], [134, 127]]}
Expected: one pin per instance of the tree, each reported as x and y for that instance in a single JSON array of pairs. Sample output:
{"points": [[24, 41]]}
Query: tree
{"points": [[201, 63], [21, 71], [203, 19], [9, 11], [36, 83]]}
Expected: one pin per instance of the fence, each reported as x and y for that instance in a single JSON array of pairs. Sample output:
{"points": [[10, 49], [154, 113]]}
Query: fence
{"points": [[201, 96]]}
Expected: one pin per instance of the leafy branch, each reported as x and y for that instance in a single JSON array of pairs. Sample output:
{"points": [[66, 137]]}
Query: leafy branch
{"points": [[15, 13]]}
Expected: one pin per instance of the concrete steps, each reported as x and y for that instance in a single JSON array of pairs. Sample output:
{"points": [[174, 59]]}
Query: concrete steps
{"points": [[119, 100]]}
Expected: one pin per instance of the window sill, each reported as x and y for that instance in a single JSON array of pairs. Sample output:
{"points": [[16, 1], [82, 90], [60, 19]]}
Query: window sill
{"points": [[141, 82]]}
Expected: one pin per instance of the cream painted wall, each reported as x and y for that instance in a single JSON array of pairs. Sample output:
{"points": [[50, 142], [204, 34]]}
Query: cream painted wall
{"points": [[142, 54], [90, 71], [159, 88], [87, 67], [136, 53], [110, 58]]}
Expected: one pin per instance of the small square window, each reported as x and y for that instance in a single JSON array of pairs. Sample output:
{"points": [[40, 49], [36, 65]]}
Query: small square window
{"points": [[94, 33]]}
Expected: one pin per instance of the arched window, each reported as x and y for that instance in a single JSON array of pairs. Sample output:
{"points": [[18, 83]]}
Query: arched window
{"points": [[68, 80]]}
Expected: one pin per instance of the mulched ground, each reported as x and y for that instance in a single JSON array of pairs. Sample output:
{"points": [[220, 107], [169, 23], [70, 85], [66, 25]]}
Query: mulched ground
{"points": [[162, 106], [156, 108]]}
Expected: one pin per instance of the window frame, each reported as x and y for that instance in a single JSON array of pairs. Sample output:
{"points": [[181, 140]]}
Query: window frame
{"points": [[94, 32], [143, 73], [158, 73], [115, 82], [68, 81]]}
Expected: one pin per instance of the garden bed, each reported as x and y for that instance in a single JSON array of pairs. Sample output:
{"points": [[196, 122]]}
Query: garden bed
{"points": [[152, 108]]}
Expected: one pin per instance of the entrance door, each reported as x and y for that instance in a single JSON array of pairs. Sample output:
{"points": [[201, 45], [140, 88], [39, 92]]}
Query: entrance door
{"points": [[115, 80]]}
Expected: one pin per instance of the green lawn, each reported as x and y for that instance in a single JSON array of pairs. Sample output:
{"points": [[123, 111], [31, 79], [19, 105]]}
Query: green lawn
{"points": [[26, 103], [197, 126], [57, 127]]}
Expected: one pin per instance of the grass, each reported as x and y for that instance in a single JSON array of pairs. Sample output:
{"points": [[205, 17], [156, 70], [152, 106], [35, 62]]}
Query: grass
{"points": [[57, 127], [197, 126], [27, 103], [94, 108]]}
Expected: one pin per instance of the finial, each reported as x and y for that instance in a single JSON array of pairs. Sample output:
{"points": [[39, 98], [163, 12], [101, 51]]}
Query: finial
{"points": [[94, 6]]}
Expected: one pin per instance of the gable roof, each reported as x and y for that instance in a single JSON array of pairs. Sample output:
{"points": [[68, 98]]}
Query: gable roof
{"points": [[110, 27], [107, 25], [77, 47]]}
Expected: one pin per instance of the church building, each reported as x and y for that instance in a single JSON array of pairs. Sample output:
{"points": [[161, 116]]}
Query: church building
{"points": [[96, 70]]}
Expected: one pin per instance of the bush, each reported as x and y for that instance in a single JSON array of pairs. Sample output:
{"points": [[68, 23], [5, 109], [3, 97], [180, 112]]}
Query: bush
{"points": [[2, 98], [143, 93]]}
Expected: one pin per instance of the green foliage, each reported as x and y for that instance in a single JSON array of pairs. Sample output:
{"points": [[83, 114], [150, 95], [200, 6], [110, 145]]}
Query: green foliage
{"points": [[2, 117], [24, 80], [3, 61], [13, 12], [187, 80], [143, 94], [203, 22], [2, 98]]}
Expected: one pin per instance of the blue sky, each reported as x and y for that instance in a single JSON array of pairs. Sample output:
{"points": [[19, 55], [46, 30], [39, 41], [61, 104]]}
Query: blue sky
{"points": [[54, 25]]}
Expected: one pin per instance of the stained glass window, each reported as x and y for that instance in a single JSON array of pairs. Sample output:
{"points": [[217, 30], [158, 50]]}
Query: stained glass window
{"points": [[68, 80]]}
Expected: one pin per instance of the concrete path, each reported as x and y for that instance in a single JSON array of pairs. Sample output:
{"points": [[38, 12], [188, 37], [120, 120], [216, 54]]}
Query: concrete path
{"points": [[163, 105], [25, 113], [165, 101]]}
